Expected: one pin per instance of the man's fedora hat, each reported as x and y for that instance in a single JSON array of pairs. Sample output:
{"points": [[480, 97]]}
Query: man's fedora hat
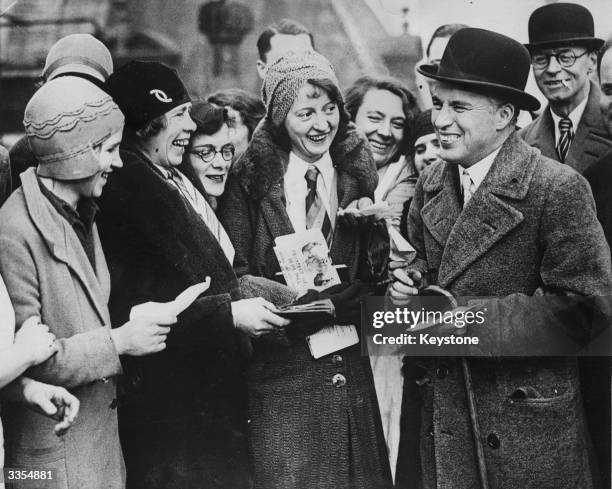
{"points": [[485, 61], [562, 24]]}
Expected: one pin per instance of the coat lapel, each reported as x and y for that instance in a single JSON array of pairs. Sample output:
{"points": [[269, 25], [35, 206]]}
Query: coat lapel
{"points": [[591, 140], [275, 213], [490, 214], [65, 246], [544, 130]]}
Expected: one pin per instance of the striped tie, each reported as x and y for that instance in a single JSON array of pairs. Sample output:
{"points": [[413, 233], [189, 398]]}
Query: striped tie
{"points": [[467, 186], [316, 214], [565, 138]]}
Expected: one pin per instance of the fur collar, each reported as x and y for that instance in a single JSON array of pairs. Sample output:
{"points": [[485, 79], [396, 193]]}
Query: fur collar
{"points": [[264, 162]]}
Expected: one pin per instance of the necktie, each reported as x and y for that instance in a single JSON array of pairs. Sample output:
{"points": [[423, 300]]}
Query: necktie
{"points": [[565, 138], [468, 187], [316, 214]]}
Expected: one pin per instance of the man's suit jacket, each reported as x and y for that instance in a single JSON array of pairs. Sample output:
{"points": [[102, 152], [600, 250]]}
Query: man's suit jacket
{"points": [[591, 139], [529, 228]]}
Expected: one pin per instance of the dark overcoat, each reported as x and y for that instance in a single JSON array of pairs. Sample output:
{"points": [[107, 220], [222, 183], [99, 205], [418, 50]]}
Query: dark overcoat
{"points": [[183, 411], [591, 140], [306, 431], [596, 372], [530, 226]]}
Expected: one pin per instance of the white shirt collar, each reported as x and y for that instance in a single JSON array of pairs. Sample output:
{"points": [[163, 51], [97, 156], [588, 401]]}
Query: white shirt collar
{"points": [[478, 171], [575, 116], [295, 189]]}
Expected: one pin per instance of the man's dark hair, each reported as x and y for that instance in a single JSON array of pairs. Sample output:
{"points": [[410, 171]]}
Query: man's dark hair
{"points": [[605, 48], [357, 91], [250, 107], [446, 30], [284, 26]]}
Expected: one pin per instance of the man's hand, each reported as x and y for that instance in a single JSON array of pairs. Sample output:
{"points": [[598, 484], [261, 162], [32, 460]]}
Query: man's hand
{"points": [[140, 337], [34, 341], [52, 401], [351, 216], [256, 317], [406, 283]]}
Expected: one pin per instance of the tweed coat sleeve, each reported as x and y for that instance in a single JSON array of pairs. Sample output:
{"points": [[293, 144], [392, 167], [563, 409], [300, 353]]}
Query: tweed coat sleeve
{"points": [[573, 303], [82, 358]]}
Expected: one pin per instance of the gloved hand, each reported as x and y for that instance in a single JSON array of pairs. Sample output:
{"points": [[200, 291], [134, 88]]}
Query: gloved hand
{"points": [[346, 298]]}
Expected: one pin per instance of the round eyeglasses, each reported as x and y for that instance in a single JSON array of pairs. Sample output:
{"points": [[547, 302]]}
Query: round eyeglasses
{"points": [[565, 58], [208, 152]]}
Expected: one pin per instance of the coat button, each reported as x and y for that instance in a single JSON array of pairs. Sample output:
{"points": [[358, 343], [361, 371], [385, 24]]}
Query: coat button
{"points": [[493, 441], [339, 380], [442, 372], [114, 403], [337, 359], [430, 431]]}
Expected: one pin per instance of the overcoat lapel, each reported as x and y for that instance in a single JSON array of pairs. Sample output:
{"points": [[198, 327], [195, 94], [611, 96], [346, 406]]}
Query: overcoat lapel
{"points": [[545, 135], [275, 213], [489, 215], [65, 246]]}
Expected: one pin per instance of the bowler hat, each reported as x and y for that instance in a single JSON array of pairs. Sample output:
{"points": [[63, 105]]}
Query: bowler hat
{"points": [[488, 62], [562, 24]]}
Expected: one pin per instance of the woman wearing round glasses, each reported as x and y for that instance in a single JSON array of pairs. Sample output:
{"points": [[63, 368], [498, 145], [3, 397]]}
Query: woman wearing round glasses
{"points": [[210, 151]]}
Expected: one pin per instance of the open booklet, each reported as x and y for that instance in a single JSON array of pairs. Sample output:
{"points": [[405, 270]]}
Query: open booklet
{"points": [[305, 262]]}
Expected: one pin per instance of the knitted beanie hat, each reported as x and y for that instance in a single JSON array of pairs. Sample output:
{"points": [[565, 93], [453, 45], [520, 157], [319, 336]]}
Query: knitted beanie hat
{"points": [[287, 75], [64, 120], [422, 126], [145, 90], [78, 53]]}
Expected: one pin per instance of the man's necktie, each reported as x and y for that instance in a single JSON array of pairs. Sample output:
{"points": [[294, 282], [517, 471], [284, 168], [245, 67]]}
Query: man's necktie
{"points": [[565, 138], [467, 186], [316, 214]]}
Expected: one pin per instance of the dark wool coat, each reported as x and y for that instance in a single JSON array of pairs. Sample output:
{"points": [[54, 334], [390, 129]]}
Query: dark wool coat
{"points": [[305, 431], [595, 373], [182, 413], [591, 139], [530, 226], [48, 274]]}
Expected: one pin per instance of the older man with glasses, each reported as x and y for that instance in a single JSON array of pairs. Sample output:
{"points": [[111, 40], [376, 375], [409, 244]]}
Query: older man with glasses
{"points": [[563, 57]]}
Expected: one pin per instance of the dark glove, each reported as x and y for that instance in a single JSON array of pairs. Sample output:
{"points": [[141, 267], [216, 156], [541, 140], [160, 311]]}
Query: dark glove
{"points": [[346, 298]]}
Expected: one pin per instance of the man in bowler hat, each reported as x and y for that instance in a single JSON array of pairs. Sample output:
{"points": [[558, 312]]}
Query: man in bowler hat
{"points": [[563, 56], [498, 219]]}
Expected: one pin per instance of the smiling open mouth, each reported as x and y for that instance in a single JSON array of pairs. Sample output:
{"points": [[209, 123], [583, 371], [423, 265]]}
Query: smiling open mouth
{"points": [[378, 146], [181, 143], [318, 138], [448, 138], [216, 178]]}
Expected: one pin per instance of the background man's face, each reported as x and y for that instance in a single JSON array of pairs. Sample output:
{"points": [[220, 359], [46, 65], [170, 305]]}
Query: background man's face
{"points": [[565, 85], [281, 44], [605, 78], [465, 123]]}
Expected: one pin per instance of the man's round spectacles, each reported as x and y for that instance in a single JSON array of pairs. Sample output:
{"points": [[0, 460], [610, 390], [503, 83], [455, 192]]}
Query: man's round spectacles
{"points": [[208, 152], [566, 59]]}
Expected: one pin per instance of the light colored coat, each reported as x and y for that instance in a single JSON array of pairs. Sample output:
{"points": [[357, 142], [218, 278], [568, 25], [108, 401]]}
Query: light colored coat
{"points": [[48, 274], [591, 140], [530, 225]]}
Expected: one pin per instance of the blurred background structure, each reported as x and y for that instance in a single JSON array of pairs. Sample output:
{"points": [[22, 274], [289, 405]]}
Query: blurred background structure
{"points": [[358, 36]]}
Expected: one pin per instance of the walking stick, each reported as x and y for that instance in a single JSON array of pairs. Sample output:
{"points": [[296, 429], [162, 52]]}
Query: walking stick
{"points": [[434, 290], [471, 400]]}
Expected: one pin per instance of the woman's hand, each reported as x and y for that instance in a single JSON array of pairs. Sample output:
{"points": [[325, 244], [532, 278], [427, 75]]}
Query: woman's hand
{"points": [[256, 317], [55, 402], [35, 341]]}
